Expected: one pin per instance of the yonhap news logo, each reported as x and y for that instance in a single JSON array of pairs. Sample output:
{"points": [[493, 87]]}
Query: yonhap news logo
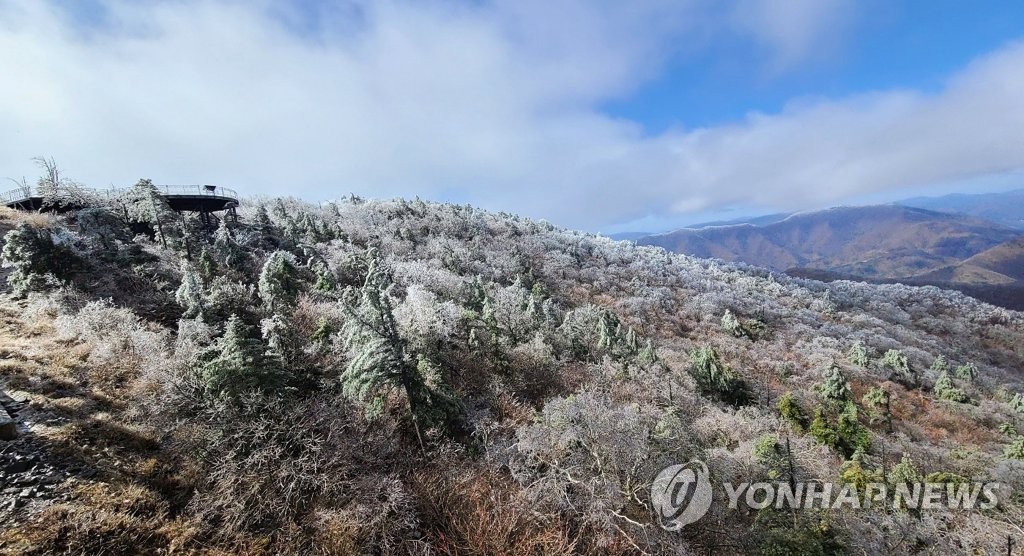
{"points": [[682, 494]]}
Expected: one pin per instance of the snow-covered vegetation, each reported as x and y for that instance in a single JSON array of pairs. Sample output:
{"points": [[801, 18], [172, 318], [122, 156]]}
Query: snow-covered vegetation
{"points": [[411, 377]]}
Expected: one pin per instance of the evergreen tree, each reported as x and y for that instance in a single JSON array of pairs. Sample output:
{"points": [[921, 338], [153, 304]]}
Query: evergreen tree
{"points": [[190, 293], [901, 371], [732, 325], [279, 282], [967, 371], [834, 388], [263, 222], [379, 361], [717, 378], [240, 363], [946, 390], [227, 250], [38, 262], [940, 365], [858, 355], [1017, 402], [143, 203], [878, 401]]}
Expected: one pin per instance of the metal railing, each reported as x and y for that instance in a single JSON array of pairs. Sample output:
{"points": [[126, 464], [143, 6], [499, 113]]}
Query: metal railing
{"points": [[28, 192]]}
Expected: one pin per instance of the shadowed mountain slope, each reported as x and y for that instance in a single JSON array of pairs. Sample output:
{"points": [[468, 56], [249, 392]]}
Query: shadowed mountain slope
{"points": [[885, 241]]}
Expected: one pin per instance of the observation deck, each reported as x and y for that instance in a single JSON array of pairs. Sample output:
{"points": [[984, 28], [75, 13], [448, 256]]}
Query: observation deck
{"points": [[191, 198]]}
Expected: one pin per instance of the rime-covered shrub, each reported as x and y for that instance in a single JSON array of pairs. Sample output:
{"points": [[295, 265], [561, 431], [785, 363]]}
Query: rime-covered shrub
{"points": [[122, 345], [809, 534], [589, 453], [427, 321]]}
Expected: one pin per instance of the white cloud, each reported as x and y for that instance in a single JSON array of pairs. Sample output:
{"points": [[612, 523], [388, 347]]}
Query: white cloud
{"points": [[794, 30], [495, 104]]}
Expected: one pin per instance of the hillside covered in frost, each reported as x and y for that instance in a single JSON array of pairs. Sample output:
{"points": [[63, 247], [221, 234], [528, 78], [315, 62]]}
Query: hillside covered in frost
{"points": [[407, 377]]}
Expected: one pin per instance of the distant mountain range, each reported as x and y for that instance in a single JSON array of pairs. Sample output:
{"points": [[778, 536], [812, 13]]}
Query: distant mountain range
{"points": [[973, 243], [1005, 208]]}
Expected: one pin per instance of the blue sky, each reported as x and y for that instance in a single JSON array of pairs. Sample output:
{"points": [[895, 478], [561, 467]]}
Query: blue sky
{"points": [[595, 114], [912, 44]]}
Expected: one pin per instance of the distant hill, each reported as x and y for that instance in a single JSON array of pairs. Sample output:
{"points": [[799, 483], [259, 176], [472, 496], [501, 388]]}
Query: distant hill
{"points": [[1006, 208], [1000, 265], [883, 241]]}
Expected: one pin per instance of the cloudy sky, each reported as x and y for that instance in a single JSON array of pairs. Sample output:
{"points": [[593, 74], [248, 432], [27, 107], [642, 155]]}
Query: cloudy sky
{"points": [[598, 115]]}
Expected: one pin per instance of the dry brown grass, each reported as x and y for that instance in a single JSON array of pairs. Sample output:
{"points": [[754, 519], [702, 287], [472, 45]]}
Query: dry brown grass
{"points": [[476, 512], [9, 218]]}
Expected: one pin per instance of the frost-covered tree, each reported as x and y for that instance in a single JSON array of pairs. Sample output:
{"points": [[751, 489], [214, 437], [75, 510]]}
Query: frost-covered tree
{"points": [[966, 371], [858, 355], [878, 401], [717, 378], [240, 363], [732, 325], [38, 262], [103, 225], [1017, 402], [227, 250], [1015, 449], [378, 359], [940, 365], [143, 203], [834, 388], [189, 294], [901, 371], [279, 282], [946, 390]]}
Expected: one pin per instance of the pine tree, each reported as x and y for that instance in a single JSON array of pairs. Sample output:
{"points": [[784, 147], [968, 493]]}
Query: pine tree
{"points": [[946, 390], [379, 361], [227, 250], [878, 401], [1017, 402], [967, 371], [717, 378], [896, 361], [940, 365], [240, 363], [38, 262], [732, 325], [144, 203], [834, 388], [279, 282], [858, 355], [190, 293]]}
